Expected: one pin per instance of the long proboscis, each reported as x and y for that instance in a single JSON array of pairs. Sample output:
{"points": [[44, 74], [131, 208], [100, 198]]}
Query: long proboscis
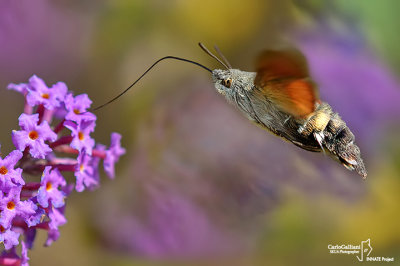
{"points": [[153, 65]]}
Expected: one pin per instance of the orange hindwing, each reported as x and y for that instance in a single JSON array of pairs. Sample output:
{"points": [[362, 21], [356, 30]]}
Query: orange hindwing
{"points": [[283, 78]]}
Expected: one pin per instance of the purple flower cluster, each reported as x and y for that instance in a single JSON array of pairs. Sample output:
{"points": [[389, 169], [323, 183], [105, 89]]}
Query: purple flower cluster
{"points": [[46, 150]]}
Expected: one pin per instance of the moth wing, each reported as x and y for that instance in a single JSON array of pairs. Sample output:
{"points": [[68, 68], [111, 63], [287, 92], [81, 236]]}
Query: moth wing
{"points": [[283, 77]]}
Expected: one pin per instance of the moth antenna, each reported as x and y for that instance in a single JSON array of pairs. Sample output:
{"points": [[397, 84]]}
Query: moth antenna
{"points": [[222, 56], [153, 65], [212, 55]]}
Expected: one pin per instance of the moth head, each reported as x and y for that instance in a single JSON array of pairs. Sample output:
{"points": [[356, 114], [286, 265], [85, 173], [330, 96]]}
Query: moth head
{"points": [[232, 81], [223, 80]]}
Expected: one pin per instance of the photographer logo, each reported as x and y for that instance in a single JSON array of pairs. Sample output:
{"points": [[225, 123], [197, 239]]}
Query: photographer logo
{"points": [[362, 251]]}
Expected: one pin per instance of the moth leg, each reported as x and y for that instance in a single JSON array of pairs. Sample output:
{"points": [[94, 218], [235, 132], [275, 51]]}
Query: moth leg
{"points": [[316, 124], [287, 119], [319, 136]]}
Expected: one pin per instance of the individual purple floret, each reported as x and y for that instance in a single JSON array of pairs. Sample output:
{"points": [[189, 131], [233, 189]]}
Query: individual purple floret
{"points": [[33, 136], [9, 176], [36, 218], [112, 154], [86, 172], [48, 191], [40, 94], [47, 151], [81, 135], [11, 206], [57, 219], [8, 237], [77, 108]]}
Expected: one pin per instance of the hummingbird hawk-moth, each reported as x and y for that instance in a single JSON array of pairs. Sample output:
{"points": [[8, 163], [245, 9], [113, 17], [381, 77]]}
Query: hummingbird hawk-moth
{"points": [[281, 98]]}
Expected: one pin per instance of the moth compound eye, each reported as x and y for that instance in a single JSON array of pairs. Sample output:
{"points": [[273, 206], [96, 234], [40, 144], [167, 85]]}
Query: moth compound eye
{"points": [[227, 82]]}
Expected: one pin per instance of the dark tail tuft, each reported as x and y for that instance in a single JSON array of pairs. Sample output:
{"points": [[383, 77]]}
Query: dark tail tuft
{"points": [[339, 140]]}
